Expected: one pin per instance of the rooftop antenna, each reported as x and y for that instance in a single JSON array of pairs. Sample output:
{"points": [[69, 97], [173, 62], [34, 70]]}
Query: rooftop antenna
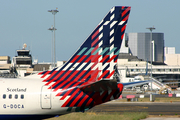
{"points": [[24, 46]]}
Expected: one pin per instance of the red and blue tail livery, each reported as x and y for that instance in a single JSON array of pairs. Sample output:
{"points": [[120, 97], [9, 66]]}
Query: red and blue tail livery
{"points": [[85, 80], [97, 56], [94, 61]]}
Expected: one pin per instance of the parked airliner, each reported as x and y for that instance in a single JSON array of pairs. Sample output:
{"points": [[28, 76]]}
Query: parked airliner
{"points": [[84, 81]]}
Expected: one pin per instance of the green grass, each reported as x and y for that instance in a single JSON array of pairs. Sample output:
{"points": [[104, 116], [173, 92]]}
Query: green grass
{"points": [[135, 116], [102, 116]]}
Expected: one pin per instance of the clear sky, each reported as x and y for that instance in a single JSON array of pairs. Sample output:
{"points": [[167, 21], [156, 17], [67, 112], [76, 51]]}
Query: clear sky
{"points": [[27, 21]]}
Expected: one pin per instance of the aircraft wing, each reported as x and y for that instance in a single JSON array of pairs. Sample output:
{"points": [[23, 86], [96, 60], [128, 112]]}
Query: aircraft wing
{"points": [[132, 84]]}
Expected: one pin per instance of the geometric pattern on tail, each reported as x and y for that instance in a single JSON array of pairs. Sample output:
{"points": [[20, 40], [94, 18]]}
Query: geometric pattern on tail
{"points": [[93, 61]]}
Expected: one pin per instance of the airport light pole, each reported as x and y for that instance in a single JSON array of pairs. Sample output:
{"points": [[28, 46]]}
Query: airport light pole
{"points": [[54, 13], [52, 29], [151, 29]]}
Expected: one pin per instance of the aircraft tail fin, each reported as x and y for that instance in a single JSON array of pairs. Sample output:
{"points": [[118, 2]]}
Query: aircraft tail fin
{"points": [[97, 56], [86, 79]]}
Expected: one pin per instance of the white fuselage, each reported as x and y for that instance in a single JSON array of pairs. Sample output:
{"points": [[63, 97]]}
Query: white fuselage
{"points": [[29, 97]]}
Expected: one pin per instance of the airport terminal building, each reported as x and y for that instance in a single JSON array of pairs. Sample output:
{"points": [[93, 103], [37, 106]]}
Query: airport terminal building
{"points": [[139, 45], [134, 59]]}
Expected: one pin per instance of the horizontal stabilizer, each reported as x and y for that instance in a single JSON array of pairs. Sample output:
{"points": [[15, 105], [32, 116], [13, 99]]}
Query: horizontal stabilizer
{"points": [[99, 86]]}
